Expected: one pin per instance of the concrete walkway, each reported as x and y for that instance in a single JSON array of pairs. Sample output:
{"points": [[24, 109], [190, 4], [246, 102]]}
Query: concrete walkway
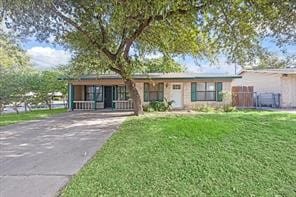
{"points": [[38, 158]]}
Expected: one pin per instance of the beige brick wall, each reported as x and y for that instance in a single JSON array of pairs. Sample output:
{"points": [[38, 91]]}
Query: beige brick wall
{"points": [[188, 104], [262, 82], [271, 83], [168, 85], [288, 90], [186, 90]]}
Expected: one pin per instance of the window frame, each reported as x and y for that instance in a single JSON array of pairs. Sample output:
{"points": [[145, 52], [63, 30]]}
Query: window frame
{"points": [[94, 93], [176, 87], [123, 90], [205, 91], [159, 92]]}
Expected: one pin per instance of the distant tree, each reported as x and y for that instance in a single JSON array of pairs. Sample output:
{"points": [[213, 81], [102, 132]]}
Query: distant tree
{"points": [[161, 65], [14, 85], [14, 66], [118, 32], [30, 87], [12, 56], [46, 84], [272, 61]]}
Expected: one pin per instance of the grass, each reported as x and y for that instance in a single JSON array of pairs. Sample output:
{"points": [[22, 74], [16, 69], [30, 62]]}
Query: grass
{"points": [[227, 154], [13, 118]]}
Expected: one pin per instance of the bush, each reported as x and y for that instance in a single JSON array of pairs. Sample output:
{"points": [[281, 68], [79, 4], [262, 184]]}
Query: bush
{"points": [[228, 108], [205, 108], [148, 108], [208, 108], [158, 106]]}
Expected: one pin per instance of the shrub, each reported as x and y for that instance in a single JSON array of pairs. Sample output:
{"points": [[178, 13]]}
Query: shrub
{"points": [[148, 108], [208, 108], [158, 106], [228, 108], [205, 108]]}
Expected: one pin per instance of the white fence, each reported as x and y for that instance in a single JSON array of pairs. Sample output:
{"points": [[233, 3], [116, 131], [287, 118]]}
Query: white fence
{"points": [[123, 105], [90, 105], [84, 105]]}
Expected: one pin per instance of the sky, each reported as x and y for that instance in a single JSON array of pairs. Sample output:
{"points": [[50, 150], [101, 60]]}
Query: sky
{"points": [[46, 56]]}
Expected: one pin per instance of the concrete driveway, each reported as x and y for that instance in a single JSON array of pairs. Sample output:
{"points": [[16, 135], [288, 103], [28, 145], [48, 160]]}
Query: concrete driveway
{"points": [[38, 158]]}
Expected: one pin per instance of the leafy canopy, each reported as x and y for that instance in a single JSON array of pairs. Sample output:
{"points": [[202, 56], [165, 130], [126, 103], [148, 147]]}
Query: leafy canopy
{"points": [[12, 56], [117, 33]]}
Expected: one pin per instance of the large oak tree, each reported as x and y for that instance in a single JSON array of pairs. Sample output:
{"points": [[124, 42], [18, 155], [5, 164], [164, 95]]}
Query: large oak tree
{"points": [[119, 32]]}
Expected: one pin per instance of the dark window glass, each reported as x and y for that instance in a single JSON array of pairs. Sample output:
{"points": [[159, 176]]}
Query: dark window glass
{"points": [[89, 93], [153, 92], [176, 87], [99, 93], [123, 93], [94, 93], [204, 91]]}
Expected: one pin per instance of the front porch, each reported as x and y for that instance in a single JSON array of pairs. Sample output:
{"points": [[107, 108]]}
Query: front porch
{"points": [[99, 97]]}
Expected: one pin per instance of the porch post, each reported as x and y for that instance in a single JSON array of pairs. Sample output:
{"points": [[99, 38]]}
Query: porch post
{"points": [[114, 96], [70, 97], [94, 97]]}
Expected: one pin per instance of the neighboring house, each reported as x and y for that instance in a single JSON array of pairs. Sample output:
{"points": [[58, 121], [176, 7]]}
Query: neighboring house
{"points": [[278, 81], [186, 90]]}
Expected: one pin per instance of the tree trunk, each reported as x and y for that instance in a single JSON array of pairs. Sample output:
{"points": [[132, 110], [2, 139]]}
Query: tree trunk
{"points": [[49, 106], [138, 108], [26, 109], [64, 102], [48, 103], [15, 108], [1, 107]]}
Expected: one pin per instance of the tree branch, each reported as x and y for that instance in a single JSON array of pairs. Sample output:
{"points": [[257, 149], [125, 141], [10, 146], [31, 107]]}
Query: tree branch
{"points": [[129, 41], [146, 22], [102, 29], [122, 43], [170, 13], [110, 55]]}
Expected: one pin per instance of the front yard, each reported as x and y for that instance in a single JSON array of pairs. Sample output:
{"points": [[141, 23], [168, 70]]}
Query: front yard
{"points": [[227, 154], [13, 118]]}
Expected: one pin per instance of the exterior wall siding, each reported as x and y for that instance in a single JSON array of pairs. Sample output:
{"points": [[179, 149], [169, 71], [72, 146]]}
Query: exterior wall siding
{"points": [[78, 93], [288, 87], [188, 104], [271, 83], [186, 91], [168, 86], [262, 82]]}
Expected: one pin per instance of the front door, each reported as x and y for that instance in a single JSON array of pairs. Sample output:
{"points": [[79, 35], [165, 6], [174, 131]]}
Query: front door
{"points": [[107, 96], [177, 96]]}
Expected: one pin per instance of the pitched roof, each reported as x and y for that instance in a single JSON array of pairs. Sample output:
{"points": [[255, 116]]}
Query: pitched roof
{"points": [[162, 76], [274, 71]]}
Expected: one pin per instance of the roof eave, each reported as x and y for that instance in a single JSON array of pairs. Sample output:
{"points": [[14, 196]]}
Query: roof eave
{"points": [[158, 78]]}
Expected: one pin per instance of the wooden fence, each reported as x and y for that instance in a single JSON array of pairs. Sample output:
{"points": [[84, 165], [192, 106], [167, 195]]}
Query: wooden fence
{"points": [[243, 96]]}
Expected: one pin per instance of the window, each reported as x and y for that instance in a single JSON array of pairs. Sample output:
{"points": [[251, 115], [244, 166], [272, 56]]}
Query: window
{"points": [[94, 93], [123, 93], [206, 91], [176, 87], [99, 93], [89, 93], [153, 92]]}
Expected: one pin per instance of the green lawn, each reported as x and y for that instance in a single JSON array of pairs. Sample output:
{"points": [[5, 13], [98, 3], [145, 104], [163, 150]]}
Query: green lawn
{"points": [[230, 154], [7, 119]]}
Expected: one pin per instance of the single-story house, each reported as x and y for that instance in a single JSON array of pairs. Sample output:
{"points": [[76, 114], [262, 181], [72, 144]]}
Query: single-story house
{"points": [[186, 90], [277, 81]]}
